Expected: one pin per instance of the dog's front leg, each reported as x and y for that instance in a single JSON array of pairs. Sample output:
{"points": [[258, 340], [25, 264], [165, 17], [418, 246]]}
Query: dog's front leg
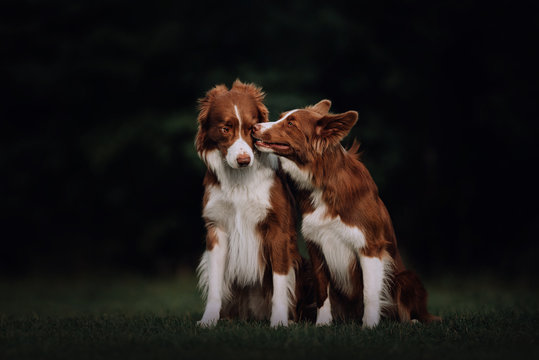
{"points": [[283, 278], [216, 244], [374, 279], [280, 301]]}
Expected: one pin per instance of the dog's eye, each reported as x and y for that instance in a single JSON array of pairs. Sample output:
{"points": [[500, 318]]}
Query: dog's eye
{"points": [[225, 129], [290, 123]]}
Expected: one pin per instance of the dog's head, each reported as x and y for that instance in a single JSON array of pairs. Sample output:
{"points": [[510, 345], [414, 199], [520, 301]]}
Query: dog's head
{"points": [[225, 122], [302, 134]]}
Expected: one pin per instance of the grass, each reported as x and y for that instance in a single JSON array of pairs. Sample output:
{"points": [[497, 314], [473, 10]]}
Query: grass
{"points": [[141, 318]]}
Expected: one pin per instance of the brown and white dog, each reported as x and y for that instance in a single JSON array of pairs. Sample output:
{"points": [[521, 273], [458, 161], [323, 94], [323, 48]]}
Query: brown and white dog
{"points": [[251, 265], [347, 228]]}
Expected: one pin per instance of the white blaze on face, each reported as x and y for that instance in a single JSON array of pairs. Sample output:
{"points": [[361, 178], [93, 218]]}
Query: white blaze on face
{"points": [[267, 125], [239, 147]]}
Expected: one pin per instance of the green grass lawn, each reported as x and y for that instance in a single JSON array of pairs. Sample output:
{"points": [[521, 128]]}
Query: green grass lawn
{"points": [[151, 318]]}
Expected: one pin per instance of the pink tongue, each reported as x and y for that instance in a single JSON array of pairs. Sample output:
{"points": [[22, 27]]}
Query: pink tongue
{"points": [[268, 145], [261, 143], [278, 146]]}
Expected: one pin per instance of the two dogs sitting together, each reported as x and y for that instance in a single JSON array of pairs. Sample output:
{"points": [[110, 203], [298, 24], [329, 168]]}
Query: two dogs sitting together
{"points": [[259, 174]]}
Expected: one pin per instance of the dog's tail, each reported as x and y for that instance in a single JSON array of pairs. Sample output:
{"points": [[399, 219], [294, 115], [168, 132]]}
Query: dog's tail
{"points": [[410, 298]]}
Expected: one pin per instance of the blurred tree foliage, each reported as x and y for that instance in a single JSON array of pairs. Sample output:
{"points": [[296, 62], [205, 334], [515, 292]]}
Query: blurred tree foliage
{"points": [[99, 115]]}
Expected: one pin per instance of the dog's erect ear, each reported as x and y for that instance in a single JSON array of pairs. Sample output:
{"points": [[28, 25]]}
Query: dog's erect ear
{"points": [[332, 128], [257, 94], [321, 107], [204, 105]]}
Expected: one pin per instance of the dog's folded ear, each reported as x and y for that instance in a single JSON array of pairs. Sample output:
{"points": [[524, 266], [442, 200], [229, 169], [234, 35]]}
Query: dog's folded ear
{"points": [[204, 105], [331, 128], [263, 113], [322, 107]]}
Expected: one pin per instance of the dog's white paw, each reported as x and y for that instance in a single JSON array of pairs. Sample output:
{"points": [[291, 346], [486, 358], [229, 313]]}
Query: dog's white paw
{"points": [[207, 323], [323, 318], [323, 323], [208, 320], [370, 320], [277, 321], [323, 314]]}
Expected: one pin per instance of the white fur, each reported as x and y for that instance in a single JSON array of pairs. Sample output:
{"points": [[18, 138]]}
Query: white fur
{"points": [[375, 287], [264, 149], [283, 290], [341, 245], [302, 178], [265, 126], [239, 147], [214, 263], [234, 179], [237, 115], [323, 315], [287, 115], [339, 242], [236, 207]]}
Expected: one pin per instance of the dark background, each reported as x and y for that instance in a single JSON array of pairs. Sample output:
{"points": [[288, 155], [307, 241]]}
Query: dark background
{"points": [[98, 171]]}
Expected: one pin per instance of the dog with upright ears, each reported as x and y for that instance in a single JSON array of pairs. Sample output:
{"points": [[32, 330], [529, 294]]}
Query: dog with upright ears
{"points": [[349, 234], [251, 268]]}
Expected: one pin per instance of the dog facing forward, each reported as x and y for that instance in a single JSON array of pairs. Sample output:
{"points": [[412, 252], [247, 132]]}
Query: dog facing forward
{"points": [[347, 228], [251, 266]]}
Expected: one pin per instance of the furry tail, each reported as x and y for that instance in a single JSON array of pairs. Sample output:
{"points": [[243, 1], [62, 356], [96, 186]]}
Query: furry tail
{"points": [[411, 298]]}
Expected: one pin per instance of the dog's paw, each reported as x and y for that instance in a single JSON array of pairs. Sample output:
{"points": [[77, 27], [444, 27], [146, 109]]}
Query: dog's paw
{"points": [[323, 323], [276, 322], [370, 321], [324, 320], [208, 320], [323, 315], [207, 323]]}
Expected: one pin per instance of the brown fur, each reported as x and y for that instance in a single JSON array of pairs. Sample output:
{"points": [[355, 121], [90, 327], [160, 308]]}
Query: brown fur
{"points": [[278, 230], [311, 137], [216, 113]]}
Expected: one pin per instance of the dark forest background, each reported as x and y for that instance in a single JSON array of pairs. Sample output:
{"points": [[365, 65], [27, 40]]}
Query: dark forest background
{"points": [[98, 170]]}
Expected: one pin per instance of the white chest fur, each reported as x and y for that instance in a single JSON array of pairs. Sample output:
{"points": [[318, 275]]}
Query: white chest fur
{"points": [[236, 206], [339, 242]]}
